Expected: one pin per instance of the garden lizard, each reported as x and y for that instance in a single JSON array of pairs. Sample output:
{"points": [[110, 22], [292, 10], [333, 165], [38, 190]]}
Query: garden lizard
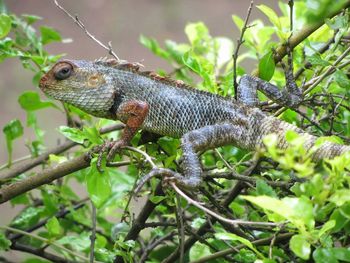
{"points": [[116, 90]]}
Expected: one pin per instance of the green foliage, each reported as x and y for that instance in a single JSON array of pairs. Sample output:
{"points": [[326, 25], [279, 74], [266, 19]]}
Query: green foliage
{"points": [[4, 242], [315, 210], [12, 131]]}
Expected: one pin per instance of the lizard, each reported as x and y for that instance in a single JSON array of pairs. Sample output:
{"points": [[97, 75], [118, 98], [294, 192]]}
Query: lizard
{"points": [[118, 90]]}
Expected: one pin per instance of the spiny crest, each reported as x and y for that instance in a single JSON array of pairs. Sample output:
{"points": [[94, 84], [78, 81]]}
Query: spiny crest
{"points": [[119, 64], [135, 68]]}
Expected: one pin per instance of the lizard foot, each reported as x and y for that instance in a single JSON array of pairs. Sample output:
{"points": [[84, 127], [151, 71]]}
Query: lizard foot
{"points": [[111, 148], [168, 177]]}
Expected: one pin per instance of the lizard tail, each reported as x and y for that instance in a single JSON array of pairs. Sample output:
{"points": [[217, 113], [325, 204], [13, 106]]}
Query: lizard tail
{"points": [[327, 150]]}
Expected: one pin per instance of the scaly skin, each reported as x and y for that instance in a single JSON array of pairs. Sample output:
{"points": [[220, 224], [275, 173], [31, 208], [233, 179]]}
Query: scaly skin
{"points": [[118, 91]]}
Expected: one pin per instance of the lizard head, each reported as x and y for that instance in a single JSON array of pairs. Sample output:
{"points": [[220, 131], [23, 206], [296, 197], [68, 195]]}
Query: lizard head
{"points": [[82, 84]]}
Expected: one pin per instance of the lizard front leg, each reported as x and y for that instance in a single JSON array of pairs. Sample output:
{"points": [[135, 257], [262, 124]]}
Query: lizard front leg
{"points": [[132, 113], [201, 139]]}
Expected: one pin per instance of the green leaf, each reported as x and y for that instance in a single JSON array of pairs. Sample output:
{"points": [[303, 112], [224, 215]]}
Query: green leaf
{"points": [[72, 134], [4, 242], [320, 254], [326, 227], [153, 45], [12, 131], [79, 136], [297, 210], [196, 32], [98, 184], [316, 60], [31, 18], [341, 78], [340, 197], [271, 15], [79, 243], [234, 237], [267, 66], [5, 25], [156, 199], [262, 188], [53, 227], [48, 35], [30, 101], [341, 253], [27, 217], [92, 134], [238, 21], [300, 246], [198, 251]]}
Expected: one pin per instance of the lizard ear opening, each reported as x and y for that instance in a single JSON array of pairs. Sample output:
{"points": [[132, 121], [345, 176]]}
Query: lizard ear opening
{"points": [[63, 71]]}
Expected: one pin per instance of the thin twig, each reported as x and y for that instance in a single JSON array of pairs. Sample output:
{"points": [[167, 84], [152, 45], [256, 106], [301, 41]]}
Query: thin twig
{"points": [[208, 211], [76, 20], [240, 41], [93, 233], [180, 227]]}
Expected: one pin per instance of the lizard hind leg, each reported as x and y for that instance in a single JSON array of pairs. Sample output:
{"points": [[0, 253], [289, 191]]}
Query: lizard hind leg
{"points": [[202, 139]]}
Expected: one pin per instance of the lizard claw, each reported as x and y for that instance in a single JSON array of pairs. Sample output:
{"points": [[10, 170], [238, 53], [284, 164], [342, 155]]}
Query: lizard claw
{"points": [[115, 148], [104, 148], [110, 148]]}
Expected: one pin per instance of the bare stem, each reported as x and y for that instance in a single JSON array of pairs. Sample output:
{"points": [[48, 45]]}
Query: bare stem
{"points": [[76, 20]]}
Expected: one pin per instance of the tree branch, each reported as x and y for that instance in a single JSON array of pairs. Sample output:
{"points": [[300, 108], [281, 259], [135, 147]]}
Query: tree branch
{"points": [[45, 177], [306, 31], [15, 171]]}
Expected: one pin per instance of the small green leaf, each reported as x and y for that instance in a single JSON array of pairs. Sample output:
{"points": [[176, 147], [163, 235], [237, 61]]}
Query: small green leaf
{"points": [[267, 66], [92, 134], [4, 242], [79, 243], [30, 101], [320, 254], [12, 131], [198, 251], [340, 197], [234, 237], [98, 184], [53, 227], [316, 60], [72, 134], [27, 217], [5, 25], [326, 227], [300, 246], [271, 15], [341, 78], [262, 188], [196, 32], [153, 45], [31, 18], [238, 21], [49, 35], [156, 199]]}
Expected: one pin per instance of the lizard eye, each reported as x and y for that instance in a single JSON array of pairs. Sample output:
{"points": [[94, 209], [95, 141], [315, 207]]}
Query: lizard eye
{"points": [[64, 72]]}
